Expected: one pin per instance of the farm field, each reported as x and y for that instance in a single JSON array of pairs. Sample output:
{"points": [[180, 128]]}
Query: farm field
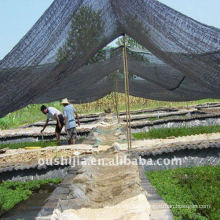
{"points": [[190, 192]]}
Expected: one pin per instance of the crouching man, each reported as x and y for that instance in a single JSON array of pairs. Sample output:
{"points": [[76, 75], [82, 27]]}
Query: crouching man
{"points": [[54, 114], [69, 113]]}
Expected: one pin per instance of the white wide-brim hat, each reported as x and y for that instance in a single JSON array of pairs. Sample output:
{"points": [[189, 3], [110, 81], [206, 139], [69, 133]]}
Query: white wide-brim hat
{"points": [[65, 101]]}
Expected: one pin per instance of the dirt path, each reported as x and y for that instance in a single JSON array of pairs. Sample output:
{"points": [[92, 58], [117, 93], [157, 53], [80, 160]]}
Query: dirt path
{"points": [[105, 191]]}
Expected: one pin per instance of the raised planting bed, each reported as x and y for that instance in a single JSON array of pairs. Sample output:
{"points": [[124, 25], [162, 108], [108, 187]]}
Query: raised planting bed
{"points": [[191, 193], [193, 121], [155, 110], [14, 192], [208, 105], [173, 115], [53, 123], [185, 155], [34, 144], [176, 132], [33, 134]]}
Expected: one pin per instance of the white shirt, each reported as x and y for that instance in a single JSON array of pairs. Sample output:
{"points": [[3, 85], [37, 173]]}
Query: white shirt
{"points": [[51, 113]]}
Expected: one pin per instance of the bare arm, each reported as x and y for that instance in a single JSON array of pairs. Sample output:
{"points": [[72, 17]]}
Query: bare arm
{"points": [[65, 120], [77, 117], [45, 125], [58, 120]]}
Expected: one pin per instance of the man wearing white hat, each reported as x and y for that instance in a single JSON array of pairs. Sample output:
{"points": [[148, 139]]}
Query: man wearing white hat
{"points": [[69, 113]]}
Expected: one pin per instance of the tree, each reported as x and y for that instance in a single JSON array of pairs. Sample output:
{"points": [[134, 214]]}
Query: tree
{"points": [[129, 42], [85, 30]]}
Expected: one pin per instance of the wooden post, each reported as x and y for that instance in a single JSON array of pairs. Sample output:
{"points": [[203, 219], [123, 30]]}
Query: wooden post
{"points": [[127, 101]]}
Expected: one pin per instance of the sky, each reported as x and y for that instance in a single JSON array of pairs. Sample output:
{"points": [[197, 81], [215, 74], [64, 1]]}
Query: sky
{"points": [[18, 16]]}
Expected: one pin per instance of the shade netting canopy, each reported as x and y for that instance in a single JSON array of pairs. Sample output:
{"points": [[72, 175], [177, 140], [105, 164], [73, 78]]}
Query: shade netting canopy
{"points": [[60, 56]]}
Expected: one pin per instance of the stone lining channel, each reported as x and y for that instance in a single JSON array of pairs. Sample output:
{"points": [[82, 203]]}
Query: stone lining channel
{"points": [[34, 173]]}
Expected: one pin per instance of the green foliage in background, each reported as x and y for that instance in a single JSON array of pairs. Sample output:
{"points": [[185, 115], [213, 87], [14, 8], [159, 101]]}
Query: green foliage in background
{"points": [[176, 132], [13, 192], [129, 42], [86, 28], [32, 113], [25, 116], [190, 187]]}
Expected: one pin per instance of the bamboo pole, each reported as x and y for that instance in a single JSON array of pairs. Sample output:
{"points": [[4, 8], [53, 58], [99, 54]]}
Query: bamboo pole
{"points": [[127, 100], [116, 97]]}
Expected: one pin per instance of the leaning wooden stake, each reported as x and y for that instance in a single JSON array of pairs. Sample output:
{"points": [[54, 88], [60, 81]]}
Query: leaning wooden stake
{"points": [[127, 101], [116, 97]]}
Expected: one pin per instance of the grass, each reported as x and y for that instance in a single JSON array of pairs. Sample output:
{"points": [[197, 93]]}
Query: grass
{"points": [[166, 117], [192, 188], [29, 144], [176, 132], [35, 144], [27, 115], [31, 113], [13, 192], [156, 118]]}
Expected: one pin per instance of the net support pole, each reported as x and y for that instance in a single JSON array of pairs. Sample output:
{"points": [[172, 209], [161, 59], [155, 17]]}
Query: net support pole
{"points": [[127, 101], [116, 97]]}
